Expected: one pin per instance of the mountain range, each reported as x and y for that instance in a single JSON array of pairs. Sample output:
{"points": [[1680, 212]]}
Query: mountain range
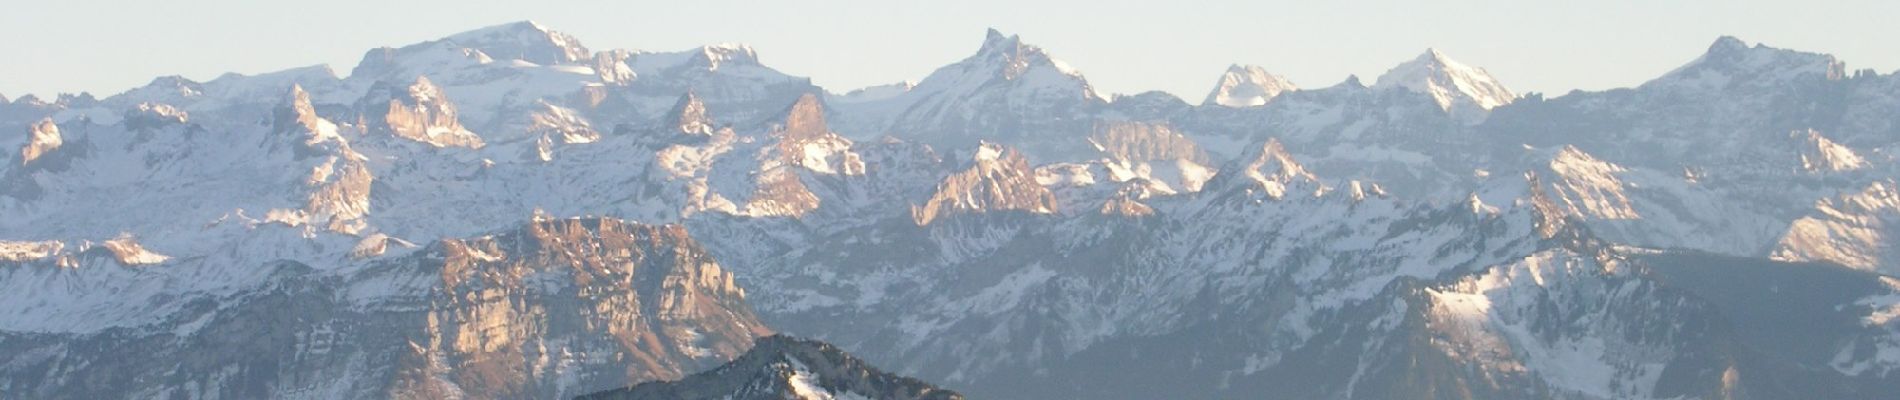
{"points": [[506, 213]]}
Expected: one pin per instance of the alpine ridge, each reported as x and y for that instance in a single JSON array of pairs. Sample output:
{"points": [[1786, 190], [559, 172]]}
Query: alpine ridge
{"points": [[506, 213]]}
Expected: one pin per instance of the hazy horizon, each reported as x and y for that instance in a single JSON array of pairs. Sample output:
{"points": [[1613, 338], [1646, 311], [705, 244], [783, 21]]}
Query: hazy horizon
{"points": [[1177, 48]]}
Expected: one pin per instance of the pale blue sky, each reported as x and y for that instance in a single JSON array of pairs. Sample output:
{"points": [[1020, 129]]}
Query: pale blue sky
{"points": [[1122, 46]]}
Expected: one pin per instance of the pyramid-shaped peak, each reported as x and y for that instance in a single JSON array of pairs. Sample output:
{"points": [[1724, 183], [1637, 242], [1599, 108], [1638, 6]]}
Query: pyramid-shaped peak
{"points": [[1247, 85], [804, 119], [689, 116], [1266, 170], [1452, 84], [1271, 160], [807, 102]]}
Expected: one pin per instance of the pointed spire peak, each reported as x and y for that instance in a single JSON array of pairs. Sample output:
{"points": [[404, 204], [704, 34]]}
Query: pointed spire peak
{"points": [[807, 108], [804, 121], [995, 41], [689, 116], [299, 101], [993, 36]]}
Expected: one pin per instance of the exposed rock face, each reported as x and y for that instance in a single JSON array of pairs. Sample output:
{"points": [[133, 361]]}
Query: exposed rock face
{"points": [[296, 120], [123, 250], [782, 367], [424, 114], [797, 144], [689, 116], [1152, 151], [611, 67], [1821, 155], [42, 138], [999, 180], [808, 142], [45, 150], [339, 179], [129, 252], [149, 115], [1126, 201], [552, 309], [1854, 229], [551, 124]]}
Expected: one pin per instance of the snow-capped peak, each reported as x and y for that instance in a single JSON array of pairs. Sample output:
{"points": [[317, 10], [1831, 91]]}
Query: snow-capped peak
{"points": [[523, 40], [1449, 82], [1017, 58], [1245, 86], [729, 53], [1730, 62]]}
